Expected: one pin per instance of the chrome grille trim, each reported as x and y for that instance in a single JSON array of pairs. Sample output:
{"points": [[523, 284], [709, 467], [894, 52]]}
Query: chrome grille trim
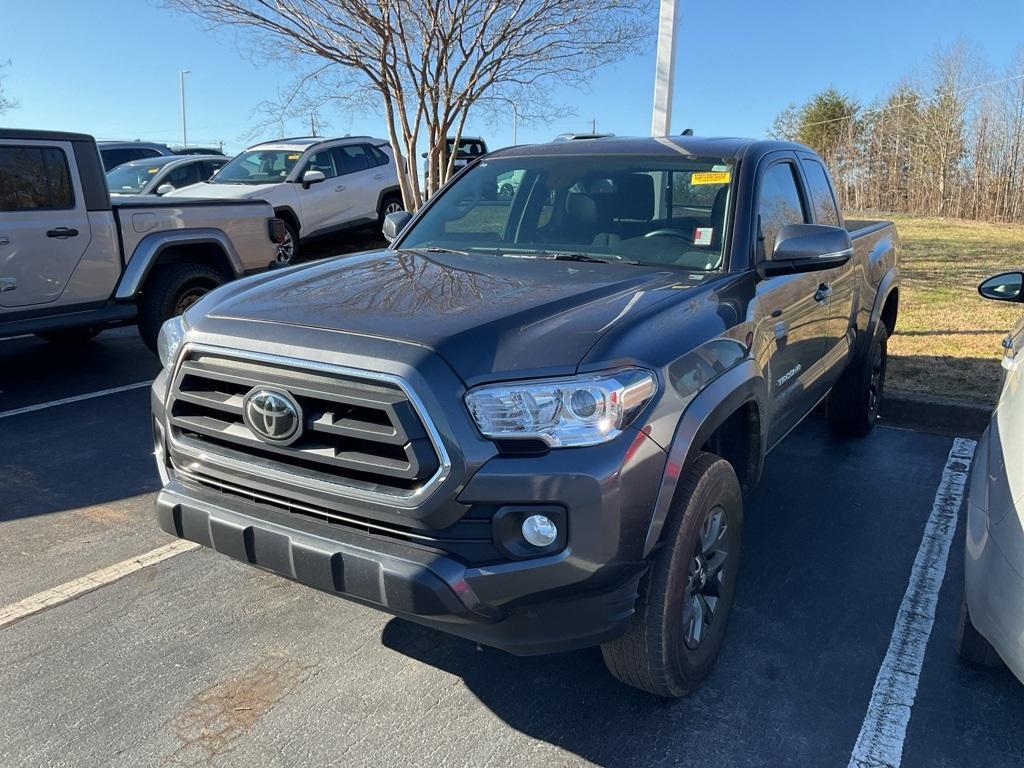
{"points": [[278, 473]]}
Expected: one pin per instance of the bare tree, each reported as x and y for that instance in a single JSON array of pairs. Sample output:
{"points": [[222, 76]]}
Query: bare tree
{"points": [[6, 103], [428, 62]]}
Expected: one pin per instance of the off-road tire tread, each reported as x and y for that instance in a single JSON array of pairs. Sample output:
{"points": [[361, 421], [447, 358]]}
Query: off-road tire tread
{"points": [[157, 299], [639, 658], [846, 406]]}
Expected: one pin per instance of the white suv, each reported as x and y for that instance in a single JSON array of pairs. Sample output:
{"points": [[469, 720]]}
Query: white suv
{"points": [[317, 186]]}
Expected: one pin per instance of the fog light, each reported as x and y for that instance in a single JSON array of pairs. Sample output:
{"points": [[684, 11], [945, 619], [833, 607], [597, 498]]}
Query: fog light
{"points": [[539, 531]]}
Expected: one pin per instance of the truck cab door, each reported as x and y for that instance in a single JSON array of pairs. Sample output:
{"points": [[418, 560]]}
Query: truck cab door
{"points": [[839, 282], [44, 225], [795, 309]]}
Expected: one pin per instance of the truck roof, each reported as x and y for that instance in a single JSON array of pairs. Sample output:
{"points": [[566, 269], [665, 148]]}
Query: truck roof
{"points": [[35, 135], [698, 146]]}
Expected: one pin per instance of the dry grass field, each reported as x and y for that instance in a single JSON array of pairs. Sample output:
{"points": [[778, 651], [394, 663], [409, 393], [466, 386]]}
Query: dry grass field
{"points": [[947, 338]]}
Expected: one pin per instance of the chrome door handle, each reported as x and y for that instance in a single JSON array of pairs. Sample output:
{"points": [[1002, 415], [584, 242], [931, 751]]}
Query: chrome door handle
{"points": [[5, 240], [8, 284], [339, 188], [823, 292]]}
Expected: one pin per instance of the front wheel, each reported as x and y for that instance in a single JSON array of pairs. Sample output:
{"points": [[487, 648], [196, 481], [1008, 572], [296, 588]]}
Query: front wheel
{"points": [[169, 291], [855, 400], [288, 248], [672, 642]]}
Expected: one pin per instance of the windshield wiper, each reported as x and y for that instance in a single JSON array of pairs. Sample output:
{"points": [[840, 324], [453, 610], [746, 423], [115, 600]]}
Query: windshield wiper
{"points": [[439, 249], [565, 256]]}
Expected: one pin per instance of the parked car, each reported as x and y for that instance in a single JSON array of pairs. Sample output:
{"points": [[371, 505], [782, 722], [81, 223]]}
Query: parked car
{"points": [[530, 421], [161, 175], [115, 153], [470, 148], [197, 151], [317, 186], [991, 628], [74, 260]]}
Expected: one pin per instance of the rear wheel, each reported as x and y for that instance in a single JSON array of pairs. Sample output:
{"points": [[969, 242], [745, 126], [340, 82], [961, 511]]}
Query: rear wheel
{"points": [[672, 643], [71, 336], [390, 204], [169, 291], [970, 645], [854, 402]]}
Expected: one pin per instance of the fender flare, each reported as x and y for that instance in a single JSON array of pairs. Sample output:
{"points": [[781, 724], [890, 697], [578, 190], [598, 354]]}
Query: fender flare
{"points": [[395, 190], [147, 255], [890, 281], [291, 212], [721, 398]]}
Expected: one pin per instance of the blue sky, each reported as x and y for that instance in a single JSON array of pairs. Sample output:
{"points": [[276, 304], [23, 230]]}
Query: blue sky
{"points": [[110, 67]]}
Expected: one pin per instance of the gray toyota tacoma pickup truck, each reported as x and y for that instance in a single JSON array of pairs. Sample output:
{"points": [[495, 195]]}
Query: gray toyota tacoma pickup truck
{"points": [[73, 262], [531, 419]]}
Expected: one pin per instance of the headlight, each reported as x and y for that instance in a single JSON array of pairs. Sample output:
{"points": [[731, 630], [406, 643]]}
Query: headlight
{"points": [[172, 333], [581, 410]]}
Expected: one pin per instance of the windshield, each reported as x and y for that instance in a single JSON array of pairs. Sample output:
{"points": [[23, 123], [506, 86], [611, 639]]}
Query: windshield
{"points": [[131, 179], [258, 166], [647, 210]]}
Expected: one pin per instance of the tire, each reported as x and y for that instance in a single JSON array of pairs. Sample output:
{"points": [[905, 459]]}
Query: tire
{"points": [[390, 204], [658, 652], [169, 291], [287, 251], [71, 336], [970, 645], [854, 402]]}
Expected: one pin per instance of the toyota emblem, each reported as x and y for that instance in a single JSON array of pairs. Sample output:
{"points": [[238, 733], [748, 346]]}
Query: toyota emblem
{"points": [[273, 416]]}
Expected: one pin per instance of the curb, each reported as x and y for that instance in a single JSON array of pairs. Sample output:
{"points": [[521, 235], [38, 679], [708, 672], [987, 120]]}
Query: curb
{"points": [[943, 416]]}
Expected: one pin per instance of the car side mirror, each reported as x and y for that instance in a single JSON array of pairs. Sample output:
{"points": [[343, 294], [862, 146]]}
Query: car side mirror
{"points": [[1008, 286], [394, 223], [808, 248], [163, 189], [309, 178]]}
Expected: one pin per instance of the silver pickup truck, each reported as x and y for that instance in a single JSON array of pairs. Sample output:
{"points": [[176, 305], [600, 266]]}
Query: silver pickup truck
{"points": [[73, 263]]}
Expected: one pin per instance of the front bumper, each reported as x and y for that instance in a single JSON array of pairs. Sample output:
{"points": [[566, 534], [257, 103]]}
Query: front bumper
{"points": [[407, 581]]}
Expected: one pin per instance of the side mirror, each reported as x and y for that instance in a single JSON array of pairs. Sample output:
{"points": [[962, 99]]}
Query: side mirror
{"points": [[808, 248], [394, 223], [163, 189], [309, 178], [1008, 286]]}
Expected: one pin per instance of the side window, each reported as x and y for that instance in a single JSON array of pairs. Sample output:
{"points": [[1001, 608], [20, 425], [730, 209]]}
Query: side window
{"points": [[377, 157], [822, 199], [353, 158], [209, 167], [183, 176], [114, 157], [323, 161], [34, 178], [779, 204]]}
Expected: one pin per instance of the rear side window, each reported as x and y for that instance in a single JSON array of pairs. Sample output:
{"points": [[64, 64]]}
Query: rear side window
{"points": [[115, 157], [822, 200], [34, 179], [377, 157], [353, 158], [779, 204]]}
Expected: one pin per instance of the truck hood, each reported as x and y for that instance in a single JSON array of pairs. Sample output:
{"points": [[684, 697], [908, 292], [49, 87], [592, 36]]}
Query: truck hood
{"points": [[209, 191], [488, 316]]}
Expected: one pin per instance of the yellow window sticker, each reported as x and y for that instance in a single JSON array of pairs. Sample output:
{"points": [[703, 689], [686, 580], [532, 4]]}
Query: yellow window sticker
{"points": [[710, 177], [152, 170], [294, 157]]}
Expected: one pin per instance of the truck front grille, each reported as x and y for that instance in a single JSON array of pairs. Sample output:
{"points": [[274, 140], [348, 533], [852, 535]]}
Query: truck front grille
{"points": [[359, 431]]}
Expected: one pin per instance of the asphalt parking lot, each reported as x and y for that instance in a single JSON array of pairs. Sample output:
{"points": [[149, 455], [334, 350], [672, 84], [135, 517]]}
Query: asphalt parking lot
{"points": [[199, 660]]}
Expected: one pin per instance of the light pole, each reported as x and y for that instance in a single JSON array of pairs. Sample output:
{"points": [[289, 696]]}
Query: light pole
{"points": [[664, 71], [181, 91], [515, 121]]}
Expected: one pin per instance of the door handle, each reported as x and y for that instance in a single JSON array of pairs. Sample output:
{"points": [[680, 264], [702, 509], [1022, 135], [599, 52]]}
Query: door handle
{"points": [[8, 284], [378, 176], [62, 233], [339, 188], [781, 330], [823, 292], [5, 240]]}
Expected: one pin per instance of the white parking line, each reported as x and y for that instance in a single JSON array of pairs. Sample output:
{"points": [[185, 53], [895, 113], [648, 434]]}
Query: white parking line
{"points": [[75, 399], [881, 738], [58, 595]]}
